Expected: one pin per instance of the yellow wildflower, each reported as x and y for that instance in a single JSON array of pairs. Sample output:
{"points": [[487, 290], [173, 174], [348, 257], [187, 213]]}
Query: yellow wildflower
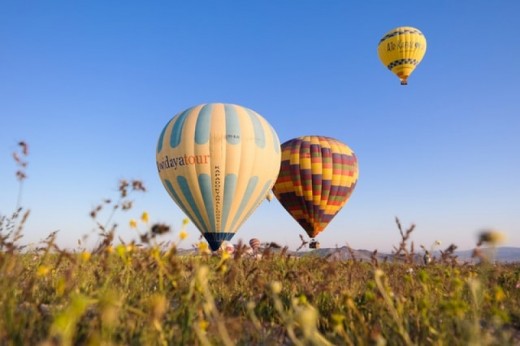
{"points": [[276, 287], [133, 223], [203, 325], [121, 250], [85, 256], [307, 318], [145, 217], [225, 255], [337, 319], [43, 270], [203, 247], [500, 296], [183, 235], [60, 286], [185, 221]]}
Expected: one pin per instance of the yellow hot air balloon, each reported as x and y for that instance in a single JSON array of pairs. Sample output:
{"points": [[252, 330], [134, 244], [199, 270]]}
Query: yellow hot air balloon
{"points": [[218, 161], [401, 50]]}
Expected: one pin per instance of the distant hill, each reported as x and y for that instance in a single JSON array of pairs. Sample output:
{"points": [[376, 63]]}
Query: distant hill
{"points": [[343, 253], [502, 254]]}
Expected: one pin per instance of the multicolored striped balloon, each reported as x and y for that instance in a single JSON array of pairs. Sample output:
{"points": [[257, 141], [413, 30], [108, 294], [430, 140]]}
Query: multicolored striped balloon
{"points": [[401, 50], [218, 161], [254, 243], [317, 176]]}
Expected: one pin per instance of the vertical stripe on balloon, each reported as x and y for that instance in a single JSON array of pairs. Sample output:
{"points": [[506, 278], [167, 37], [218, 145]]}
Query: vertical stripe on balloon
{"points": [[276, 141], [203, 127], [206, 189], [257, 128], [179, 202], [232, 124], [185, 188], [259, 199], [161, 138], [251, 185], [230, 184], [175, 138]]}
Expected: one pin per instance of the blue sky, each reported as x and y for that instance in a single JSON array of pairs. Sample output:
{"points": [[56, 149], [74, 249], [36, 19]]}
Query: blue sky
{"points": [[90, 85]]}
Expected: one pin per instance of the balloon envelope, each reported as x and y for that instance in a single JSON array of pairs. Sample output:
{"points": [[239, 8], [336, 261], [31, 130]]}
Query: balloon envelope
{"points": [[401, 50], [218, 161], [317, 176], [254, 243]]}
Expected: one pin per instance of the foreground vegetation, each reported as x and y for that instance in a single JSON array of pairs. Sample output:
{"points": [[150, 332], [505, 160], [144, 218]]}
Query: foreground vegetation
{"points": [[145, 293], [126, 295]]}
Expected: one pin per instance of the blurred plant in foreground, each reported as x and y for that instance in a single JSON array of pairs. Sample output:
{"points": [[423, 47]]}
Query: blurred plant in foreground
{"points": [[11, 226], [492, 238]]}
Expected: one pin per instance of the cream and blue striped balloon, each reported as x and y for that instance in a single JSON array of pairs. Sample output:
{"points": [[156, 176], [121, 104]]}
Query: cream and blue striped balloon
{"points": [[218, 162]]}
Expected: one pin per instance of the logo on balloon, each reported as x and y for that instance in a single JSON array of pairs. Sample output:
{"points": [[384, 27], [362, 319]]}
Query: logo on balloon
{"points": [[173, 163]]}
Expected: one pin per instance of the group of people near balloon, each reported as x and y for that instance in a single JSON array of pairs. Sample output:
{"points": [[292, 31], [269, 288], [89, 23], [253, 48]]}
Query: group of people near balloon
{"points": [[220, 161]]}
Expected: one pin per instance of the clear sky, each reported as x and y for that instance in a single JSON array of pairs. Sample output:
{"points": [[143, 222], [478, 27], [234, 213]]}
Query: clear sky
{"points": [[90, 85]]}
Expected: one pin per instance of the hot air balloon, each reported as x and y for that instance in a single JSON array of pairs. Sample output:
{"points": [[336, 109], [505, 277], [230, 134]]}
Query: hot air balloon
{"points": [[254, 243], [317, 176], [401, 50], [218, 161]]}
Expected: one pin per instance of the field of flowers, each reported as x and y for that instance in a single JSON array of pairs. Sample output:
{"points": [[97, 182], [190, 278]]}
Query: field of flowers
{"points": [[145, 293]]}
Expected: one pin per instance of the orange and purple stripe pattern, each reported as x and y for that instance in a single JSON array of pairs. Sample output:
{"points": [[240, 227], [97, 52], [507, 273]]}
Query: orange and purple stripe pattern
{"points": [[317, 176]]}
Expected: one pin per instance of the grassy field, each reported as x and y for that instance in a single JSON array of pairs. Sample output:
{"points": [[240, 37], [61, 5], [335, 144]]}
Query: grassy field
{"points": [[144, 293]]}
